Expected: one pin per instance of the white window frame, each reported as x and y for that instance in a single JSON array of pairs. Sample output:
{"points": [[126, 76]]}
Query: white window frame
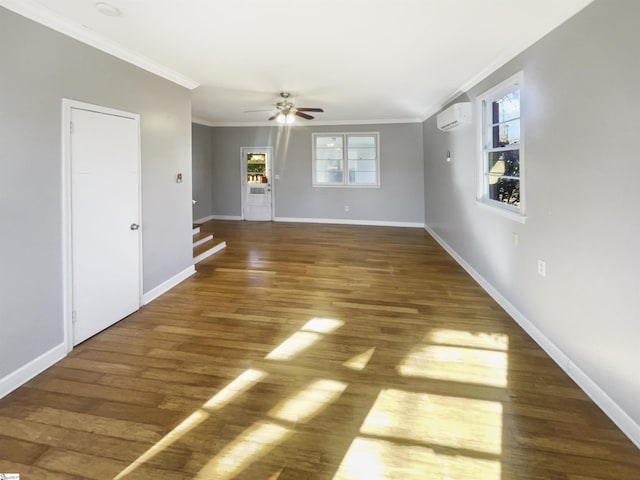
{"points": [[483, 102], [345, 159]]}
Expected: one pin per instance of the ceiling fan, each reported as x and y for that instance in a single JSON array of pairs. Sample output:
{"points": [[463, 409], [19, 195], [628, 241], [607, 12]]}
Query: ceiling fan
{"points": [[287, 111]]}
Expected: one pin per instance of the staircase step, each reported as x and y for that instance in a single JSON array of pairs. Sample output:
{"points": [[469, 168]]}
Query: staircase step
{"points": [[201, 237], [207, 249], [196, 229]]}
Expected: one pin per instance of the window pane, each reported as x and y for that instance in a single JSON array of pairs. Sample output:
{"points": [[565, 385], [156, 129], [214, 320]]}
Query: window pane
{"points": [[362, 178], [329, 153], [362, 165], [333, 176], [362, 171], [364, 153], [504, 190], [361, 141], [506, 108], [362, 156], [504, 134], [505, 163], [329, 171], [329, 142]]}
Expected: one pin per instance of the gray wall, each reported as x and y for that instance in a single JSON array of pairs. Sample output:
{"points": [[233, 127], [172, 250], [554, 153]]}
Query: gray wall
{"points": [[202, 165], [580, 111], [39, 68], [399, 199]]}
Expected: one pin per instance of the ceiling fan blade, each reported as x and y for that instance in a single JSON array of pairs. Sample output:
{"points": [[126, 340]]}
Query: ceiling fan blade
{"points": [[305, 109], [260, 110], [273, 117], [303, 115]]}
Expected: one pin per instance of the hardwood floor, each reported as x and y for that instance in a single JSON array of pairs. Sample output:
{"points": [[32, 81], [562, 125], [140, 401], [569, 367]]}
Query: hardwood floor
{"points": [[313, 352]]}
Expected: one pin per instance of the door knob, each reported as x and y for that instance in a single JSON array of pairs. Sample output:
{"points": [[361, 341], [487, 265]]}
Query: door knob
{"points": [[134, 226]]}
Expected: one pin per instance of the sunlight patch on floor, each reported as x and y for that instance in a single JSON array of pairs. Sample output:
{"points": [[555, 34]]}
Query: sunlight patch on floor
{"points": [[454, 422], [249, 446], [310, 333], [240, 384], [459, 356], [292, 346], [322, 325], [376, 459], [188, 424], [358, 362], [456, 364], [461, 338], [307, 403]]}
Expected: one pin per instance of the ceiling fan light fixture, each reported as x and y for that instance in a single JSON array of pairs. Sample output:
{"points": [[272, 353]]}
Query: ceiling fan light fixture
{"points": [[287, 118]]}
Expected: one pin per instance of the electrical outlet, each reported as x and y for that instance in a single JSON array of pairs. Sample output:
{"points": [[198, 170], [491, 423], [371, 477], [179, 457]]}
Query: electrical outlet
{"points": [[346, 208], [542, 268]]}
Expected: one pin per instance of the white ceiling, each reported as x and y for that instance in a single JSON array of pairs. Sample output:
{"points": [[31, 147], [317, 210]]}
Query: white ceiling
{"points": [[363, 61]]}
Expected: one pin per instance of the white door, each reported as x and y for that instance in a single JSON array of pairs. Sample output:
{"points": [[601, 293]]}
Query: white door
{"points": [[105, 219], [256, 183]]}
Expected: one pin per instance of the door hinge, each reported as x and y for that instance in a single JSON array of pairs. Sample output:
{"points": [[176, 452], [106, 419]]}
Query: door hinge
{"points": [[74, 317]]}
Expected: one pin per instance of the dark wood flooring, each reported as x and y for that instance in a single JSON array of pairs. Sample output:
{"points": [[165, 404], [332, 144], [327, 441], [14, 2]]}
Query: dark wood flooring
{"points": [[313, 352]]}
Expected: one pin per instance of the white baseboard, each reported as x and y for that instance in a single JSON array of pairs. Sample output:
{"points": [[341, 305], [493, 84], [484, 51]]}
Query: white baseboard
{"points": [[628, 426], [210, 252], [226, 217], [203, 219], [346, 221], [205, 239], [167, 285], [25, 373]]}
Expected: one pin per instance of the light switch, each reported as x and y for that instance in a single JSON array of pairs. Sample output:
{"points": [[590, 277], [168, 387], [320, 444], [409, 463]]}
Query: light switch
{"points": [[179, 178]]}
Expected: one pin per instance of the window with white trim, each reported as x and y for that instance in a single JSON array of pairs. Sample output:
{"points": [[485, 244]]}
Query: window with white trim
{"points": [[346, 160], [501, 182]]}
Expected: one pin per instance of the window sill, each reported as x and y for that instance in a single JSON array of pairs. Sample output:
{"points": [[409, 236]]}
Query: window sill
{"points": [[503, 212]]}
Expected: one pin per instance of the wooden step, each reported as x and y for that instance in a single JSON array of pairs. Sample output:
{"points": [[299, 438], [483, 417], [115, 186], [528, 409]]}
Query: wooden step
{"points": [[196, 229], [201, 237], [207, 249]]}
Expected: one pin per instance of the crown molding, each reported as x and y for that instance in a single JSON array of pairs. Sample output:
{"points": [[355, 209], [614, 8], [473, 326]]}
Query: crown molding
{"points": [[498, 62], [43, 16], [207, 123]]}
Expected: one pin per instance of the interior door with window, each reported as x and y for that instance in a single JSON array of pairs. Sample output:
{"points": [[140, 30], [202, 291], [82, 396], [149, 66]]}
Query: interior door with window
{"points": [[256, 183]]}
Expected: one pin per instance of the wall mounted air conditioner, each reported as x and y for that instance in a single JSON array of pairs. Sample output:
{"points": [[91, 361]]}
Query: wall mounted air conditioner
{"points": [[455, 116]]}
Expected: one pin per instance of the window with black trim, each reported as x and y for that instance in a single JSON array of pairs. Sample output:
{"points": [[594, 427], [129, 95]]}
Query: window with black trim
{"points": [[346, 160]]}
